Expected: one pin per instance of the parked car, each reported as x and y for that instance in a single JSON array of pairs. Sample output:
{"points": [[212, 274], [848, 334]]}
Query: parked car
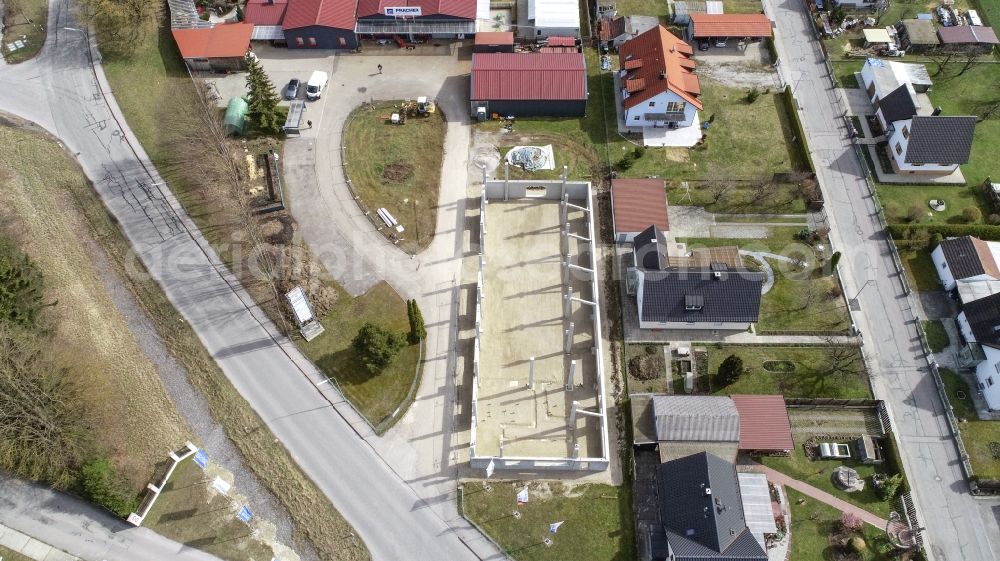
{"points": [[292, 90], [720, 42], [703, 45], [834, 450], [316, 85]]}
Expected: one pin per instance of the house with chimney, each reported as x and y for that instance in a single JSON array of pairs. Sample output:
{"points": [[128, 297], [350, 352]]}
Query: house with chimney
{"points": [[657, 89]]}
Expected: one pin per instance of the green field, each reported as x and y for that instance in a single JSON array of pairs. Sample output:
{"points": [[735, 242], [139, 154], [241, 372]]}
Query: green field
{"points": [[811, 377], [598, 520], [920, 269], [376, 396], [803, 301], [898, 201], [813, 525], [404, 174]]}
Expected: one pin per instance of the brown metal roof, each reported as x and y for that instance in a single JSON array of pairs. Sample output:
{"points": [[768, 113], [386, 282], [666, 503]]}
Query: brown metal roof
{"points": [[703, 257], [639, 204], [764, 422]]}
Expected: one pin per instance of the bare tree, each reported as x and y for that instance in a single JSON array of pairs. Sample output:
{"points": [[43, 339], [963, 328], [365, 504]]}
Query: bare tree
{"points": [[989, 109], [941, 58], [122, 24], [971, 56], [761, 190], [719, 189], [841, 359]]}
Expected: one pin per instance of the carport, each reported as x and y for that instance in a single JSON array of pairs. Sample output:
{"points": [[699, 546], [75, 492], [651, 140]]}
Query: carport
{"points": [[722, 27]]}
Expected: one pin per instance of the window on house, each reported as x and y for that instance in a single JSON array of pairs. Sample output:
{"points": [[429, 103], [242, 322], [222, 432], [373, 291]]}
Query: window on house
{"points": [[652, 104], [906, 132], [989, 381], [342, 42], [676, 106], [312, 41], [899, 149], [636, 118], [997, 367], [299, 41]]}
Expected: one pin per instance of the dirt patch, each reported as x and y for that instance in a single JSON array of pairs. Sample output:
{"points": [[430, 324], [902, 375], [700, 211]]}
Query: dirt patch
{"points": [[397, 171], [741, 74], [680, 155]]}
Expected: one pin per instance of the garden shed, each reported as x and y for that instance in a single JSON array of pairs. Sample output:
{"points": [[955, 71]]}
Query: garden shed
{"points": [[236, 116]]}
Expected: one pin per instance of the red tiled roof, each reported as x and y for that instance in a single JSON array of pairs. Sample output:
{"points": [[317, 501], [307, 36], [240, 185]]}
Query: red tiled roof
{"points": [[221, 41], [639, 203], [529, 76], [265, 12], [562, 41], [730, 25], [961, 34], [495, 38], [764, 422], [558, 50], [326, 13], [658, 61], [465, 9]]}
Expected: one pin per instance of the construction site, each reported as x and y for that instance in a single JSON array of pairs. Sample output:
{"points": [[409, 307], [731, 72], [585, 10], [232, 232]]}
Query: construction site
{"points": [[538, 397]]}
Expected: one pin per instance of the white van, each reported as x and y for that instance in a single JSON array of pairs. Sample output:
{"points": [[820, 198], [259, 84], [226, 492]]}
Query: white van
{"points": [[316, 84]]}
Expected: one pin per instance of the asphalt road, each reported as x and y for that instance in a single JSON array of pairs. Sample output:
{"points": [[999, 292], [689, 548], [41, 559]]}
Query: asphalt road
{"points": [[63, 93], [81, 529], [959, 527]]}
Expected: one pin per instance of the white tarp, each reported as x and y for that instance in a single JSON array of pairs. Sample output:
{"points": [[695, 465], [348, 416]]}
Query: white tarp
{"points": [[300, 305], [532, 158]]}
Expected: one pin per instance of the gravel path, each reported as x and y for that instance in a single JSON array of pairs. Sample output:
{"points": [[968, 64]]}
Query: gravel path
{"points": [[193, 407]]}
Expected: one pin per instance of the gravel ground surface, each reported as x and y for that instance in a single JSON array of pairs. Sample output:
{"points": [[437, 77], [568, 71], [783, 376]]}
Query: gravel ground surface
{"points": [[193, 407], [739, 74]]}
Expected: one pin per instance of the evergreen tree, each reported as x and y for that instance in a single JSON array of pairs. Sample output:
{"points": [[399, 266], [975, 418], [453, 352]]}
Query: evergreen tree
{"points": [[262, 98], [730, 370], [419, 330]]}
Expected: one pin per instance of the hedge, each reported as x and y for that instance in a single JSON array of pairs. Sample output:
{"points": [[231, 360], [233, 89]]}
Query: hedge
{"points": [[981, 231], [793, 114], [894, 463]]}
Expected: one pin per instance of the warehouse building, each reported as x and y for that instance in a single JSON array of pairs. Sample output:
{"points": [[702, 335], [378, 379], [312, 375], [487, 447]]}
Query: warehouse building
{"points": [[528, 85], [319, 24], [437, 19], [547, 18]]}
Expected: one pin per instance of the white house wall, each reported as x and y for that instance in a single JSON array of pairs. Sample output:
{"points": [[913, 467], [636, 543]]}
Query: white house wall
{"points": [[659, 102], [941, 266], [700, 325], [988, 377], [899, 156]]}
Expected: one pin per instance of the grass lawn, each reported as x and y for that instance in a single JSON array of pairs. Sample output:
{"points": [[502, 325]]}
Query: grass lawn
{"points": [[977, 435], [803, 301], [920, 268], [598, 520], [25, 20], [11, 555], [568, 151], [937, 337], [780, 240], [813, 523], [190, 512], [810, 378], [738, 199], [819, 474], [403, 175], [844, 72], [964, 94], [654, 8], [118, 381], [376, 396], [899, 199], [989, 11]]}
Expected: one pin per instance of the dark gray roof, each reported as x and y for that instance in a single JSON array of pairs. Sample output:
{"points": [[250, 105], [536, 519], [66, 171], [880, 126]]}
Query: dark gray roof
{"points": [[699, 418], [702, 512], [733, 296], [650, 246], [898, 105], [983, 316], [940, 140], [963, 259]]}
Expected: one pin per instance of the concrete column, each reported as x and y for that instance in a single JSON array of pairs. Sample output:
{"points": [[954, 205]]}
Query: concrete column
{"points": [[506, 180], [569, 338], [531, 373], [568, 306], [570, 375], [572, 413], [576, 450], [565, 175]]}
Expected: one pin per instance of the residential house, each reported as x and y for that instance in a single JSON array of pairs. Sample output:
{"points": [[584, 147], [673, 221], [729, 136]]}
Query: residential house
{"points": [[701, 514], [971, 267], [528, 85], [546, 18], [658, 85], [917, 35], [687, 292], [973, 39], [612, 32], [722, 27], [920, 141], [636, 204], [437, 19], [320, 24]]}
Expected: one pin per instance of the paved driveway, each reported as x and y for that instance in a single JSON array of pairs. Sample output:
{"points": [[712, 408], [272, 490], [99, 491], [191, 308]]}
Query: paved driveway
{"points": [[959, 527], [63, 93]]}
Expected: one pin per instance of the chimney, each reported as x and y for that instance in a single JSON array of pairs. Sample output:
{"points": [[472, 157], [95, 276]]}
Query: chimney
{"points": [[937, 111], [708, 491]]}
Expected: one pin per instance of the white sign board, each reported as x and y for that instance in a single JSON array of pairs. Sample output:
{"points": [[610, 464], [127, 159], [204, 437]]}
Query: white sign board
{"points": [[403, 12]]}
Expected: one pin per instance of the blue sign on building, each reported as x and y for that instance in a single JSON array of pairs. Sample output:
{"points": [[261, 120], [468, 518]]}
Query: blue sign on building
{"points": [[201, 458], [244, 514]]}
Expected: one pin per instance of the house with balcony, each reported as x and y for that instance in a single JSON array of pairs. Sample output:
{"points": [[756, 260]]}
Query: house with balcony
{"points": [[658, 91]]}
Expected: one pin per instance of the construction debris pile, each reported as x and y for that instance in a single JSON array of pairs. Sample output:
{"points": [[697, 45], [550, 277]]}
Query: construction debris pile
{"points": [[532, 158]]}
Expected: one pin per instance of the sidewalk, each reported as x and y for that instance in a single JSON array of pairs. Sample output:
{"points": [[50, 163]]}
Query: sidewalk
{"points": [[30, 547], [779, 478]]}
